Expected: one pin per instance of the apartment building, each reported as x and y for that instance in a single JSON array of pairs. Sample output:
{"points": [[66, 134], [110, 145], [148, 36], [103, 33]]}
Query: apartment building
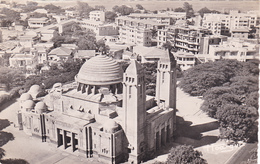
{"points": [[223, 24], [99, 27], [159, 18], [148, 24], [234, 49], [174, 15], [189, 39], [97, 15], [135, 36], [137, 32]]}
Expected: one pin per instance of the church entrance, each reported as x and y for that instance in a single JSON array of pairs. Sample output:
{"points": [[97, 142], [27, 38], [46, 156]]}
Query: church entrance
{"points": [[67, 139]]}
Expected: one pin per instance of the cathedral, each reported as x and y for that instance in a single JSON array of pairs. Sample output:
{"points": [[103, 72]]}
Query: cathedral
{"points": [[106, 115]]}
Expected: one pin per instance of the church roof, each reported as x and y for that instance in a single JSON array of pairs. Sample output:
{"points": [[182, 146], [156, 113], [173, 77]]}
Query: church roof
{"points": [[100, 70], [168, 57], [133, 68]]}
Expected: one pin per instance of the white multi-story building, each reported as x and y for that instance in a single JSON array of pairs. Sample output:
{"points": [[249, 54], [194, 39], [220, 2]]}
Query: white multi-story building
{"points": [[99, 27], [137, 32], [159, 18], [97, 15], [135, 36], [190, 39], [235, 49], [224, 24], [175, 15]]}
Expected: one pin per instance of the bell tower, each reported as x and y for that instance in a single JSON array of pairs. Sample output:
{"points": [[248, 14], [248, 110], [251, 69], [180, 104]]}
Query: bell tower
{"points": [[134, 110], [166, 81]]}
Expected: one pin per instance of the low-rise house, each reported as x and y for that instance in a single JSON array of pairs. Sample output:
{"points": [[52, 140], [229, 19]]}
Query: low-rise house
{"points": [[37, 22], [241, 33], [47, 35], [185, 60], [60, 18], [147, 54], [42, 11], [71, 13], [21, 60], [70, 46], [59, 54], [84, 54]]}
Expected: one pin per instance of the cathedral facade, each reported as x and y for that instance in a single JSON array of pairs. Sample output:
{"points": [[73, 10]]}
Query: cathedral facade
{"points": [[107, 114]]}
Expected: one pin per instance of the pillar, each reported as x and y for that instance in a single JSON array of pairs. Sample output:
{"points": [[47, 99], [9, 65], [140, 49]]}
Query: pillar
{"points": [[64, 139]]}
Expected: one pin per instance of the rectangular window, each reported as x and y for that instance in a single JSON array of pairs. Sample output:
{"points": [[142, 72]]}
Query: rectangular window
{"points": [[130, 88], [163, 75]]}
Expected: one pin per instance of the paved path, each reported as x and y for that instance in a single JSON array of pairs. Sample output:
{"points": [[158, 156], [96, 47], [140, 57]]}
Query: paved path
{"points": [[243, 154]]}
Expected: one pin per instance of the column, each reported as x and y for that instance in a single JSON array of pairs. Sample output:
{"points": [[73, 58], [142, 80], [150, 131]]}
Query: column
{"points": [[65, 139], [73, 141]]}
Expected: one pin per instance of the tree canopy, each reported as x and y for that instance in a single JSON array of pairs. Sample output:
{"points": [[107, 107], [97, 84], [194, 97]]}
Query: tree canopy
{"points": [[123, 10], [185, 154], [230, 91], [84, 9], [110, 16], [204, 10]]}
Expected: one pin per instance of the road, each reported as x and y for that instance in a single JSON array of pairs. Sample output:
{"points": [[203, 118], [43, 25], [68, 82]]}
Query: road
{"points": [[243, 154]]}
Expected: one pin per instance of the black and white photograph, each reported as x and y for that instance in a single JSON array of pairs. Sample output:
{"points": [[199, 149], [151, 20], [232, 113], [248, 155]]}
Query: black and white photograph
{"points": [[129, 81]]}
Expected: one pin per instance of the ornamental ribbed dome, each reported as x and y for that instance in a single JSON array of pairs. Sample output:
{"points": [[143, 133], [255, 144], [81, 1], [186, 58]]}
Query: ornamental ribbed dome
{"points": [[100, 70]]}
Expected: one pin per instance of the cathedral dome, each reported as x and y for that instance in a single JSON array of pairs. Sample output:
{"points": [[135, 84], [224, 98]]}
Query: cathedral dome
{"points": [[26, 96], [35, 89], [40, 107], [28, 104], [110, 126], [100, 70]]}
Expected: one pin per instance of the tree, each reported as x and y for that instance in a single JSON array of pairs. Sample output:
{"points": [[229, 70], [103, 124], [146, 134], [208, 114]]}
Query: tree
{"points": [[179, 9], [84, 9], [188, 9], [204, 10], [140, 7], [102, 47], [123, 10], [11, 77], [110, 16], [237, 123], [100, 7], [185, 154], [199, 79], [11, 15], [54, 9]]}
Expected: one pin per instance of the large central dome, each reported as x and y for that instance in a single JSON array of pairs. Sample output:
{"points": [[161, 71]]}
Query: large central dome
{"points": [[100, 70]]}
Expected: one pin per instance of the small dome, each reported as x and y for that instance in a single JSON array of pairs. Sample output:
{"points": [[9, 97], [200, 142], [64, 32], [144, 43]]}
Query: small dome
{"points": [[35, 89], [100, 70], [110, 126], [28, 104], [40, 107], [25, 96], [57, 85]]}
